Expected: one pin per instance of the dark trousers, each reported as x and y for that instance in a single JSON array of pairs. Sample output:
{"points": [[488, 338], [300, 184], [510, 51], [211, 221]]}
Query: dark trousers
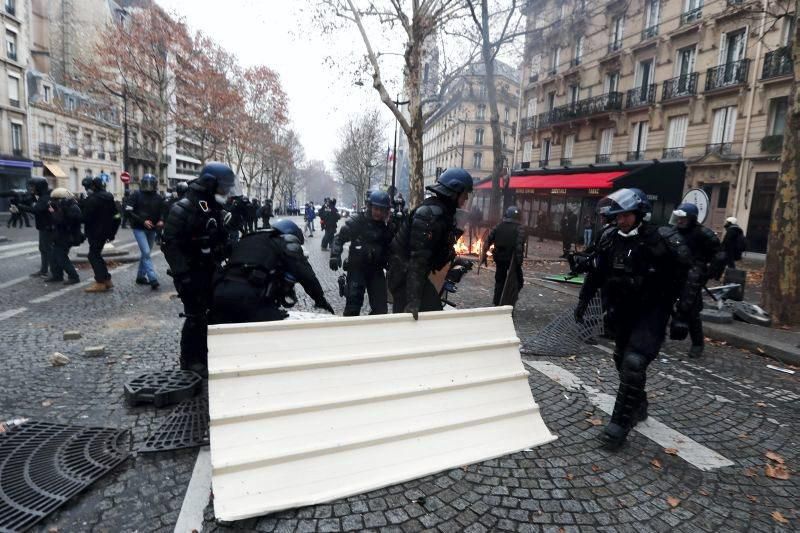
{"points": [[45, 250], [237, 301], [500, 275], [430, 300], [265, 222], [60, 263], [695, 323], [374, 282], [327, 239], [566, 245], [95, 257], [195, 297]]}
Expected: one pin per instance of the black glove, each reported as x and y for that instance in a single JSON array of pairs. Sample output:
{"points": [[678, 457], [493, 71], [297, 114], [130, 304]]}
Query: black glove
{"points": [[678, 329], [580, 310], [413, 308], [335, 263], [323, 304]]}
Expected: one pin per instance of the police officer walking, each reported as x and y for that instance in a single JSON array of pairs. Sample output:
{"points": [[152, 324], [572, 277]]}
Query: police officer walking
{"points": [[424, 244], [43, 220], [66, 234], [195, 244], [709, 262], [101, 221], [145, 209], [370, 238], [642, 271], [330, 216], [258, 279], [508, 239]]}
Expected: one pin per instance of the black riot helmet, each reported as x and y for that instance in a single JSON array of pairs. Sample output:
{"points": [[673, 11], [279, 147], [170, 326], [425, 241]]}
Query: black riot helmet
{"points": [[216, 179], [87, 183], [98, 184], [284, 226], [181, 188], [379, 199], [37, 185], [452, 182], [149, 183], [513, 214]]}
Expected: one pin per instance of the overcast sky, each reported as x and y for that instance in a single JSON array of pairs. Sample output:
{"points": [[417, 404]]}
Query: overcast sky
{"points": [[278, 34]]}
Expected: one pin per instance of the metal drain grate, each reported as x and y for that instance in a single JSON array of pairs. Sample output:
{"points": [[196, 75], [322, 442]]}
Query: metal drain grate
{"points": [[563, 336], [185, 427], [162, 388], [43, 465]]}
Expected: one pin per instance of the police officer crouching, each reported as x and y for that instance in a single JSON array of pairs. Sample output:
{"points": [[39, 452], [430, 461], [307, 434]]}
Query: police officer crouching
{"points": [[195, 243], [642, 271], [370, 237], [424, 244], [508, 239], [258, 279]]}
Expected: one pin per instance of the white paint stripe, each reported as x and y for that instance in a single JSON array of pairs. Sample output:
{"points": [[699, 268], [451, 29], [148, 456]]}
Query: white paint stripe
{"points": [[23, 244], [691, 451], [14, 282], [23, 251], [197, 495], [12, 312]]}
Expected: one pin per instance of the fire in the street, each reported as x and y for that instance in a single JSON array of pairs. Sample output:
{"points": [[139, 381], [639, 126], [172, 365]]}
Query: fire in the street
{"points": [[462, 248]]}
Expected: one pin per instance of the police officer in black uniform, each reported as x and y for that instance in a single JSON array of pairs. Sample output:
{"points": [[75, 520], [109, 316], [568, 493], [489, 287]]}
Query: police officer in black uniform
{"points": [[424, 244], [643, 271], [330, 216], [195, 243], [43, 220], [370, 237], [258, 279], [508, 239], [101, 221], [708, 258]]}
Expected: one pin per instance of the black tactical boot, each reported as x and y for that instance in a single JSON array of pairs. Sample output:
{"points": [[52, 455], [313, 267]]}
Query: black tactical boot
{"points": [[696, 351], [622, 420]]}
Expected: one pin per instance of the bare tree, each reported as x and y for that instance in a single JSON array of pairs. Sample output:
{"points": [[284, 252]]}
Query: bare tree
{"points": [[317, 180], [360, 153]]}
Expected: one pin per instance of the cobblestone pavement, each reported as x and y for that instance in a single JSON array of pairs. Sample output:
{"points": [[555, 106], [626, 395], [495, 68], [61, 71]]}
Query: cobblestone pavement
{"points": [[728, 402]]}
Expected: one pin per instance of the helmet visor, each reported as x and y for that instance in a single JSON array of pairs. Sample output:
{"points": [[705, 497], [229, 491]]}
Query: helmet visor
{"points": [[623, 201]]}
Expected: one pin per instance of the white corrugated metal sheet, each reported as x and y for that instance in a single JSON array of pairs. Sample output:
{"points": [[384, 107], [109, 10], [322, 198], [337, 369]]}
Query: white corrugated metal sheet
{"points": [[313, 410]]}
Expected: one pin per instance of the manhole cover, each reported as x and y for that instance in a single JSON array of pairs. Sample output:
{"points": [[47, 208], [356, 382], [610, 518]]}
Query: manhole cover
{"points": [[43, 465], [185, 427], [162, 388], [564, 336]]}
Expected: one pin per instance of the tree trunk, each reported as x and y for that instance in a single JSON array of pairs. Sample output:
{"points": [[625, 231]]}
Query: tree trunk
{"points": [[416, 179], [782, 271], [495, 202]]}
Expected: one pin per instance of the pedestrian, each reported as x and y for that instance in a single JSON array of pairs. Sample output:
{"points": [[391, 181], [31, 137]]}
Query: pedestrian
{"points": [[508, 239], [708, 262], [145, 210], [66, 234], [424, 245], [310, 215], [734, 242], [101, 221], [331, 218], [541, 225], [370, 237], [258, 279], [43, 220], [568, 223], [588, 228], [643, 271], [195, 244]]}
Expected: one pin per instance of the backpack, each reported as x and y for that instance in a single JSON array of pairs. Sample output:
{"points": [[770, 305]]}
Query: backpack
{"points": [[741, 244]]}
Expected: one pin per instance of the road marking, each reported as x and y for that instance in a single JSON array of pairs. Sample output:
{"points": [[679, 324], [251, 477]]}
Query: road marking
{"points": [[688, 449], [14, 282], [22, 251], [197, 495], [12, 312], [23, 244]]}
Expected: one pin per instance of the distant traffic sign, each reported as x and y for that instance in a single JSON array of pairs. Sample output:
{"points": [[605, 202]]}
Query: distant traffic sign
{"points": [[125, 177]]}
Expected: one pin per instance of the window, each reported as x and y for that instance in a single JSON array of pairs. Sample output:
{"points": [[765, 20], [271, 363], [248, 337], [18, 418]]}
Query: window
{"points": [[46, 133], [481, 114], [652, 12], [532, 107], [576, 60], [574, 94], [73, 179], [606, 141], [13, 90], [11, 45], [477, 159], [676, 138], [70, 103], [722, 196], [569, 146], [547, 144], [644, 73], [733, 47], [611, 82], [88, 172], [507, 115], [16, 138], [691, 5], [777, 115], [46, 93], [87, 140], [536, 64], [527, 151], [555, 58], [617, 32], [724, 125], [787, 31], [639, 136], [551, 100], [479, 136], [684, 65]]}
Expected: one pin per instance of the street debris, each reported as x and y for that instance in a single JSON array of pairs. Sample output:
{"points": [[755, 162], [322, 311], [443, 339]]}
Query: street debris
{"points": [[595, 421], [671, 451], [94, 351], [58, 359], [47, 403], [772, 456], [776, 472], [72, 335], [673, 501], [656, 464], [778, 517], [779, 369]]}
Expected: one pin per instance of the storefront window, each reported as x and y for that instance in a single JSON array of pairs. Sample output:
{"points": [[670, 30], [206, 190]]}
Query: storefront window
{"points": [[557, 204]]}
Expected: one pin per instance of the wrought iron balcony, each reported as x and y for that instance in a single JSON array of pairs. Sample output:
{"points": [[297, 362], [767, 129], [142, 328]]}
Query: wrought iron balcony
{"points": [[552, 71], [673, 153], [112, 157], [734, 3], [587, 107], [575, 61], [719, 148], [614, 46], [566, 161], [87, 153], [639, 96], [685, 85], [13, 103], [727, 75], [777, 63], [528, 124], [72, 151], [101, 155], [693, 15], [636, 155], [602, 158], [772, 144], [543, 163], [649, 33], [49, 150]]}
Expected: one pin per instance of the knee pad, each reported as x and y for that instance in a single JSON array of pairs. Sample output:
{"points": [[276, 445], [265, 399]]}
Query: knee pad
{"points": [[633, 369]]}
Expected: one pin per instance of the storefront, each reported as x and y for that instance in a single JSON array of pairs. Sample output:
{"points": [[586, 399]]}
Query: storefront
{"points": [[545, 196], [14, 174]]}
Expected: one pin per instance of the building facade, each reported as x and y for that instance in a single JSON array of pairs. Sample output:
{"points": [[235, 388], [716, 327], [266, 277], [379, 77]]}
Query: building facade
{"points": [[706, 83], [459, 134]]}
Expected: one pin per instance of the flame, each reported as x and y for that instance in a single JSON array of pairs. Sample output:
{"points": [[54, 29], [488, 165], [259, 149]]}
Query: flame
{"points": [[462, 248]]}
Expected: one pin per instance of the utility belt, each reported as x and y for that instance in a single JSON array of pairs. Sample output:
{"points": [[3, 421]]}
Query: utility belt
{"points": [[271, 287]]}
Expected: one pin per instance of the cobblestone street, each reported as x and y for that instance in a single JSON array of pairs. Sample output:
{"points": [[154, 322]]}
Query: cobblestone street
{"points": [[726, 404]]}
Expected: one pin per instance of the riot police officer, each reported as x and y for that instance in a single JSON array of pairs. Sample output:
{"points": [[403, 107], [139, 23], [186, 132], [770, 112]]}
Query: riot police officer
{"points": [[708, 258], [195, 244], [43, 220], [370, 237], [508, 239], [642, 271], [329, 218], [424, 244], [101, 221], [258, 279]]}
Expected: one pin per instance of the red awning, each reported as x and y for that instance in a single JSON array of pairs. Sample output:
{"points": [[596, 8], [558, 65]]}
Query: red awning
{"points": [[586, 180]]}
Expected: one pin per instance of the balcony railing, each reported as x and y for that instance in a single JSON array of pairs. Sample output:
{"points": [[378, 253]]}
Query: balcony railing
{"points": [[693, 15], [142, 153], [529, 123], [636, 155], [587, 107], [188, 172], [575, 61], [72, 151], [734, 3], [16, 152], [649, 33], [602, 158], [613, 46], [543, 163], [777, 63], [87, 153], [719, 148], [639, 96], [552, 71], [566, 161], [112, 157], [49, 150], [772, 144], [727, 75], [685, 85], [101, 155], [673, 153]]}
